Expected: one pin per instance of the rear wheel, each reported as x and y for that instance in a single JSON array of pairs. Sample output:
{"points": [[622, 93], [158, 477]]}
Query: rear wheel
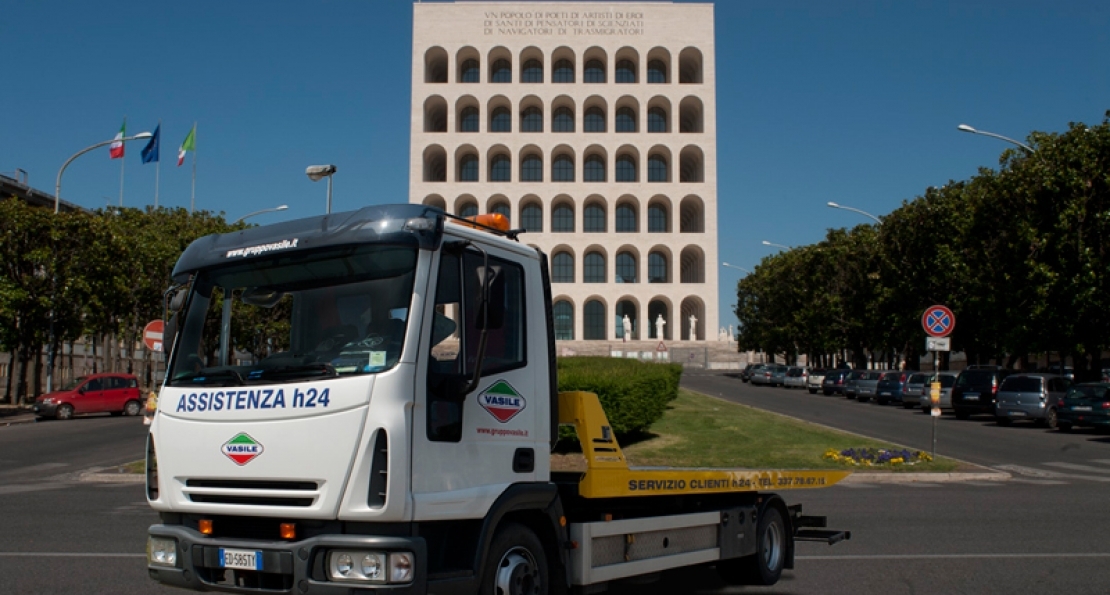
{"points": [[1051, 419], [764, 567], [517, 564], [132, 408], [64, 412]]}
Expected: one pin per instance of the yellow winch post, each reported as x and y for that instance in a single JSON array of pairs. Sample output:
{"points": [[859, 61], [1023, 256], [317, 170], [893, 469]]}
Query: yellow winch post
{"points": [[608, 475]]}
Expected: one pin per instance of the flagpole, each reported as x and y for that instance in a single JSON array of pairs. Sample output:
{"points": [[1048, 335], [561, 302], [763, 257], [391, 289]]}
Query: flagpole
{"points": [[193, 197], [157, 165]]}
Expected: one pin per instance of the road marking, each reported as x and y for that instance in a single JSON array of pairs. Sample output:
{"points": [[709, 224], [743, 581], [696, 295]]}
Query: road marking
{"points": [[919, 484], [66, 555], [1041, 473], [1039, 482], [1074, 467], [32, 487], [1103, 461], [954, 556]]}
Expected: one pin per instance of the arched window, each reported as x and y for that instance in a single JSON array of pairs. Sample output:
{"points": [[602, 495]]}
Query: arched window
{"points": [[657, 72], [562, 219], [626, 120], [531, 168], [657, 168], [564, 72], [468, 168], [531, 218], [595, 120], [470, 72], [531, 120], [500, 120], [657, 268], [595, 218], [594, 169], [657, 219], [626, 71], [595, 72], [626, 218], [562, 169], [468, 120], [593, 327], [593, 268], [500, 169], [563, 313], [533, 72], [562, 120], [657, 120], [469, 210], [626, 308], [626, 168], [501, 72], [626, 268], [562, 268], [502, 209]]}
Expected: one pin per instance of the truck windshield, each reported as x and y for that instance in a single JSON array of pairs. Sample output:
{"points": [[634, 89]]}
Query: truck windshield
{"points": [[293, 317]]}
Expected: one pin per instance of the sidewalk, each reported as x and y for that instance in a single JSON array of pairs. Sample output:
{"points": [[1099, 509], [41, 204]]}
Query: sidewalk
{"points": [[12, 415]]}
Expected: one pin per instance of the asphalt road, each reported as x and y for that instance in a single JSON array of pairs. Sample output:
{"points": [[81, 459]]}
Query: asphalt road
{"points": [[1041, 532]]}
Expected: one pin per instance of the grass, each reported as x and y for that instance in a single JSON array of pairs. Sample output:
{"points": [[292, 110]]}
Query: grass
{"points": [[134, 467], [702, 431]]}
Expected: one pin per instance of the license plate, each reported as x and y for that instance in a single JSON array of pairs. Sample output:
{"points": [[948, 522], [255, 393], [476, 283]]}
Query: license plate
{"points": [[1081, 408], [971, 397], [244, 559], [1017, 414], [884, 394]]}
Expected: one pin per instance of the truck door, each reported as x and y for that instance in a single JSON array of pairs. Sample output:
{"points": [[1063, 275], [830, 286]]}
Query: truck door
{"points": [[469, 445]]}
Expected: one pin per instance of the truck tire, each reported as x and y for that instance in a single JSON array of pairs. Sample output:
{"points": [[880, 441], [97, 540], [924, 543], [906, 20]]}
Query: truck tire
{"points": [[764, 567], [516, 565]]}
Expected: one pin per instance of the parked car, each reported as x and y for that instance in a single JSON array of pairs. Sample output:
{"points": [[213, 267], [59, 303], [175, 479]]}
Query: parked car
{"points": [[1084, 405], [1030, 396], [976, 390], [778, 375], [796, 377], [834, 381], [815, 379], [891, 387], [851, 381], [947, 381], [1065, 371], [746, 373], [911, 394], [867, 384], [762, 374], [117, 394]]}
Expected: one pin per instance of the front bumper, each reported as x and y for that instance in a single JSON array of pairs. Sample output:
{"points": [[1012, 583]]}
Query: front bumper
{"points": [[1083, 419], [288, 566], [45, 409]]}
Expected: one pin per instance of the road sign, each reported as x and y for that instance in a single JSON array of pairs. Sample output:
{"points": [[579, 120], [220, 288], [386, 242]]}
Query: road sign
{"points": [[938, 321], [661, 347], [152, 335], [937, 344]]}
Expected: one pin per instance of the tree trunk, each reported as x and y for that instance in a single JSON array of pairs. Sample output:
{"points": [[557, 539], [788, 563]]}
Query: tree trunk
{"points": [[38, 373]]}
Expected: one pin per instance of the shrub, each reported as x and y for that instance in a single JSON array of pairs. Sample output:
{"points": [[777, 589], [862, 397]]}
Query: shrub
{"points": [[634, 394]]}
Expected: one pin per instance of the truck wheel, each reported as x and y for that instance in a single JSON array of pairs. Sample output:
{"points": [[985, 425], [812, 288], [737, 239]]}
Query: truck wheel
{"points": [[764, 567], [132, 408], [517, 564], [64, 412]]}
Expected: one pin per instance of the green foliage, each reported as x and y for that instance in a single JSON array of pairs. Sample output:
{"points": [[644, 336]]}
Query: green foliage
{"points": [[634, 394]]}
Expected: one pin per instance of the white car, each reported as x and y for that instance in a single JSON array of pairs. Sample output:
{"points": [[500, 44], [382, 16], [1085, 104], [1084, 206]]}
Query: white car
{"points": [[795, 377], [814, 380]]}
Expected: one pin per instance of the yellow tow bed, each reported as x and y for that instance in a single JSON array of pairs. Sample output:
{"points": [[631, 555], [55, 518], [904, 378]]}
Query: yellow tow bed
{"points": [[609, 476]]}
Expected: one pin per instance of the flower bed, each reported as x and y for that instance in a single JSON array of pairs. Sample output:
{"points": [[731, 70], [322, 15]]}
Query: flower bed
{"points": [[878, 457]]}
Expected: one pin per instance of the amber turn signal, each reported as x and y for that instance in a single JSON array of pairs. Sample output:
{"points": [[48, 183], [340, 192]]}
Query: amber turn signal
{"points": [[205, 526], [289, 530]]}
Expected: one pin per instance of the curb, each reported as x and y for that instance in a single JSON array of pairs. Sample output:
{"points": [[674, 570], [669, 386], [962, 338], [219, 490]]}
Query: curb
{"points": [[97, 475], [17, 420], [924, 477]]}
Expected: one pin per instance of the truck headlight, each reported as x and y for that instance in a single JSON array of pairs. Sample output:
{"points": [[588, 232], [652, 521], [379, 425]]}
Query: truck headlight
{"points": [[400, 567], [162, 551], [349, 566]]}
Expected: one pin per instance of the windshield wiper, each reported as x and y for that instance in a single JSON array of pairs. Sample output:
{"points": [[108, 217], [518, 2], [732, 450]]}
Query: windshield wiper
{"points": [[211, 378]]}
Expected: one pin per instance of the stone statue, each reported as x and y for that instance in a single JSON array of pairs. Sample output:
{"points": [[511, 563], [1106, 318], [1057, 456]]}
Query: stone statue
{"points": [[627, 324], [693, 328], [721, 334], [730, 335], [659, 324]]}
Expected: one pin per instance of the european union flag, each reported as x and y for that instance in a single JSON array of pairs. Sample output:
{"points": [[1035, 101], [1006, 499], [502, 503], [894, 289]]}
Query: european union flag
{"points": [[150, 151]]}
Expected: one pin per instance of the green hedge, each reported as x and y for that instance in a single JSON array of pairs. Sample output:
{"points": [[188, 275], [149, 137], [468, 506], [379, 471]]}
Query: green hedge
{"points": [[634, 394]]}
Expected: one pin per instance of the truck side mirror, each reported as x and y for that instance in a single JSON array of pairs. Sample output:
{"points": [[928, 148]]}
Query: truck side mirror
{"points": [[496, 296]]}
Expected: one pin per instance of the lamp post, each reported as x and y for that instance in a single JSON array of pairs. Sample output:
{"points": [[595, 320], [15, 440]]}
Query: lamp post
{"points": [[969, 129], [766, 243], [259, 212], [315, 172], [864, 213], [732, 266], [57, 206]]}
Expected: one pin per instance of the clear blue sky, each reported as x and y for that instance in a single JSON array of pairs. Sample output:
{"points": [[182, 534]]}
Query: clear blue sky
{"points": [[853, 102]]}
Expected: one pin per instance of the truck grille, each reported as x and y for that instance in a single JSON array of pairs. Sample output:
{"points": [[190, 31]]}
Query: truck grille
{"points": [[245, 492]]}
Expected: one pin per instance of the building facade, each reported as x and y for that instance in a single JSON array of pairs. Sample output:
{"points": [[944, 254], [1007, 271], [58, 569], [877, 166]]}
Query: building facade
{"points": [[591, 125]]}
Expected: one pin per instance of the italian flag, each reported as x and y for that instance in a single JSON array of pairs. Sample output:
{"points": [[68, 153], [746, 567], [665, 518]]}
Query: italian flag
{"points": [[116, 150], [190, 144]]}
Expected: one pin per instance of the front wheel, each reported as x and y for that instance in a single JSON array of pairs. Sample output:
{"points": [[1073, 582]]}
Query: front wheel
{"points": [[132, 408], [64, 412], [516, 564], [764, 567]]}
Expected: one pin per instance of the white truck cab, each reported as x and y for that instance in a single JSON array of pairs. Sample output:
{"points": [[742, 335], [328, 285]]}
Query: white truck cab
{"points": [[366, 401]]}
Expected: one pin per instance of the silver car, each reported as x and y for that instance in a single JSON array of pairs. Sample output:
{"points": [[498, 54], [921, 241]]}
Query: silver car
{"points": [[778, 375], [947, 381], [814, 381], [795, 377], [867, 384], [762, 374], [911, 395], [1029, 396]]}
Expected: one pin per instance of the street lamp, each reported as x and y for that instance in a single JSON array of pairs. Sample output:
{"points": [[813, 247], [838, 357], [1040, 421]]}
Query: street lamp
{"points": [[315, 172], [269, 210], [766, 243], [969, 129], [732, 266], [57, 206], [864, 213], [58, 182]]}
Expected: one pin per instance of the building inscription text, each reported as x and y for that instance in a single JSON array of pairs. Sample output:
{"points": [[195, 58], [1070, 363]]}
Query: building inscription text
{"points": [[560, 22]]}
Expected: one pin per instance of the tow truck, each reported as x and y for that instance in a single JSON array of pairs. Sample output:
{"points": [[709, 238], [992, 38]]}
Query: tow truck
{"points": [[379, 418]]}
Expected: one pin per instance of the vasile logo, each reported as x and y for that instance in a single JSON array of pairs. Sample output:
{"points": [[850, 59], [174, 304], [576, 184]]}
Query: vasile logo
{"points": [[242, 449], [502, 401]]}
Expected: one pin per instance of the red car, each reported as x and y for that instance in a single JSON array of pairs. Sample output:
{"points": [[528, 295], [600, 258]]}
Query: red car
{"points": [[117, 394]]}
